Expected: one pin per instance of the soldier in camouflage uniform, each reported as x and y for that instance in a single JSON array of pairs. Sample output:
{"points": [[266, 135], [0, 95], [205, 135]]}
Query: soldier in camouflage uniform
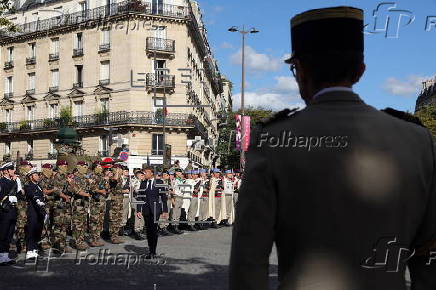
{"points": [[80, 189], [116, 204], [47, 185], [62, 207], [24, 168], [99, 189]]}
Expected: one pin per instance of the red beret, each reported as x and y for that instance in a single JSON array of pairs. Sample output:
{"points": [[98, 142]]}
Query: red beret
{"points": [[47, 165], [116, 165], [61, 162], [82, 163], [25, 162]]}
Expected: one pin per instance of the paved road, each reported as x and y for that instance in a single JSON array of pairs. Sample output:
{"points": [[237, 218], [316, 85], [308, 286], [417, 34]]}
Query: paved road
{"points": [[194, 260], [197, 260]]}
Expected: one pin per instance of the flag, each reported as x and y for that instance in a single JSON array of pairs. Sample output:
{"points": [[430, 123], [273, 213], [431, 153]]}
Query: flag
{"points": [[238, 132], [245, 132]]}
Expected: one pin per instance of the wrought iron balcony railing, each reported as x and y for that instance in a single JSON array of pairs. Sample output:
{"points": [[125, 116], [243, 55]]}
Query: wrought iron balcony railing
{"points": [[103, 120], [9, 64], [78, 85], [77, 52], [104, 47], [160, 44], [30, 60], [104, 82], [160, 81], [53, 89], [30, 92], [53, 56], [8, 95], [99, 15]]}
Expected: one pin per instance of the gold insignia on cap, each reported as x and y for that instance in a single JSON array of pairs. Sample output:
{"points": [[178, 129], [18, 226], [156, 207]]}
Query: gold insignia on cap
{"points": [[334, 12]]}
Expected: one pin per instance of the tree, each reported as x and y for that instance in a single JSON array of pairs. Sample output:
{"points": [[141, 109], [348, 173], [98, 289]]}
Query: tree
{"points": [[226, 147], [5, 8], [427, 115]]}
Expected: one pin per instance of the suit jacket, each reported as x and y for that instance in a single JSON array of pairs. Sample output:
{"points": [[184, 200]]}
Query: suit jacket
{"points": [[155, 195], [332, 207]]}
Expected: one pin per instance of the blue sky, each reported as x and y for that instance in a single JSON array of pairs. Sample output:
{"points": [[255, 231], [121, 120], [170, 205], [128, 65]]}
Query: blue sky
{"points": [[396, 64]]}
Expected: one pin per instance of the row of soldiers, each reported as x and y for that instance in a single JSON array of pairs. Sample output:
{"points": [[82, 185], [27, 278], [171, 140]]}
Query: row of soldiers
{"points": [[77, 202], [196, 198]]}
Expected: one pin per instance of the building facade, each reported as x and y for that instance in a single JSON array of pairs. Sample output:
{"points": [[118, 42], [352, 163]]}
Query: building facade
{"points": [[107, 68], [427, 95]]}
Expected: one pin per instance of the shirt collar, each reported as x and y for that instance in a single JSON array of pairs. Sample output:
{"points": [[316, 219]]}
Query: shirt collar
{"points": [[332, 89]]}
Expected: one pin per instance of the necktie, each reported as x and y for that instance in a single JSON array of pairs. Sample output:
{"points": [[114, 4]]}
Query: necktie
{"points": [[149, 184]]}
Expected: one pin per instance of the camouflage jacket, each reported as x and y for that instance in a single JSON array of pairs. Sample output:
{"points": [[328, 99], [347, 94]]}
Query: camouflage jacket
{"points": [[48, 184], [82, 183]]}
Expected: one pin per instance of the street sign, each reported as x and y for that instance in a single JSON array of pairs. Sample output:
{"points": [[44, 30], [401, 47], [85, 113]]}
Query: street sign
{"points": [[124, 155]]}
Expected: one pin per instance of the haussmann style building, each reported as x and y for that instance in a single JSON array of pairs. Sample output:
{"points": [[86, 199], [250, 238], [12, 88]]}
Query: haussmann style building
{"points": [[106, 68]]}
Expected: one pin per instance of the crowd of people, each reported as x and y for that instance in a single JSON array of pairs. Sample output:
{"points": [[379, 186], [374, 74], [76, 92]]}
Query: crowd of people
{"points": [[101, 202]]}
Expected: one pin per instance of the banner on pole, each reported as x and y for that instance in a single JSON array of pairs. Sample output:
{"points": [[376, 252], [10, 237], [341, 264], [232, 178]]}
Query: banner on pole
{"points": [[238, 132], [245, 132]]}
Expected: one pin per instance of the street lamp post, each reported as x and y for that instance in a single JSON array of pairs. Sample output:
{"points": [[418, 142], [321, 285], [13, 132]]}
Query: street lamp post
{"points": [[243, 32]]}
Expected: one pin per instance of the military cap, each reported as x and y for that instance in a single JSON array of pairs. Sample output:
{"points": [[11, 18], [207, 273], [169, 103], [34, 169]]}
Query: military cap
{"points": [[202, 170], [25, 163], [228, 171], [216, 170], [7, 165], [195, 171], [32, 171], [117, 165], [82, 163], [178, 170], [171, 172], [188, 171], [327, 29], [47, 165], [61, 162]]}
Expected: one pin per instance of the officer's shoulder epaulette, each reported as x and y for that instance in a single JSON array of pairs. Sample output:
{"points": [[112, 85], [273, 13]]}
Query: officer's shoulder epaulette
{"points": [[286, 113], [405, 116]]}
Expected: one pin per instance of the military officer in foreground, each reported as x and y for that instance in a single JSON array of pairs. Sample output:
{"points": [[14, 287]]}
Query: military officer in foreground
{"points": [[330, 183]]}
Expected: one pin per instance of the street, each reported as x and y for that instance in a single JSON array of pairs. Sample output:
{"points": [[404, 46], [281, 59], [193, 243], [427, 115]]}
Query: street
{"points": [[194, 260]]}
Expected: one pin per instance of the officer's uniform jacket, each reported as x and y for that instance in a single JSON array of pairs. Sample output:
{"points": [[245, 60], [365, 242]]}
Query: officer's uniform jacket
{"points": [[371, 176]]}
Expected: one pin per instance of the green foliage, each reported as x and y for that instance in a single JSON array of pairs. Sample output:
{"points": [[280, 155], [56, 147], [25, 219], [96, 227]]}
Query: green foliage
{"points": [[66, 115], [427, 115], [6, 7], [229, 156], [24, 125], [3, 125]]}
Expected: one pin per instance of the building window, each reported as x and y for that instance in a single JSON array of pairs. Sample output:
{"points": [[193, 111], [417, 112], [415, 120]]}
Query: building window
{"points": [[104, 72], [104, 145], [78, 109], [105, 37], [52, 148], [8, 116], [79, 77], [54, 50], [29, 146], [79, 41], [9, 89], [157, 144], [54, 111], [10, 53], [30, 113], [54, 80], [104, 105], [32, 47], [31, 81], [7, 148]]}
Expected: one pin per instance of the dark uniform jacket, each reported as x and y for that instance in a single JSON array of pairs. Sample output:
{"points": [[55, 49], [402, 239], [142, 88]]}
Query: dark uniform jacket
{"points": [[34, 192], [151, 197], [357, 182]]}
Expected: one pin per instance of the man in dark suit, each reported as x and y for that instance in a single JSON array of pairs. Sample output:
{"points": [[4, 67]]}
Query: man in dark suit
{"points": [[346, 192], [154, 207]]}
